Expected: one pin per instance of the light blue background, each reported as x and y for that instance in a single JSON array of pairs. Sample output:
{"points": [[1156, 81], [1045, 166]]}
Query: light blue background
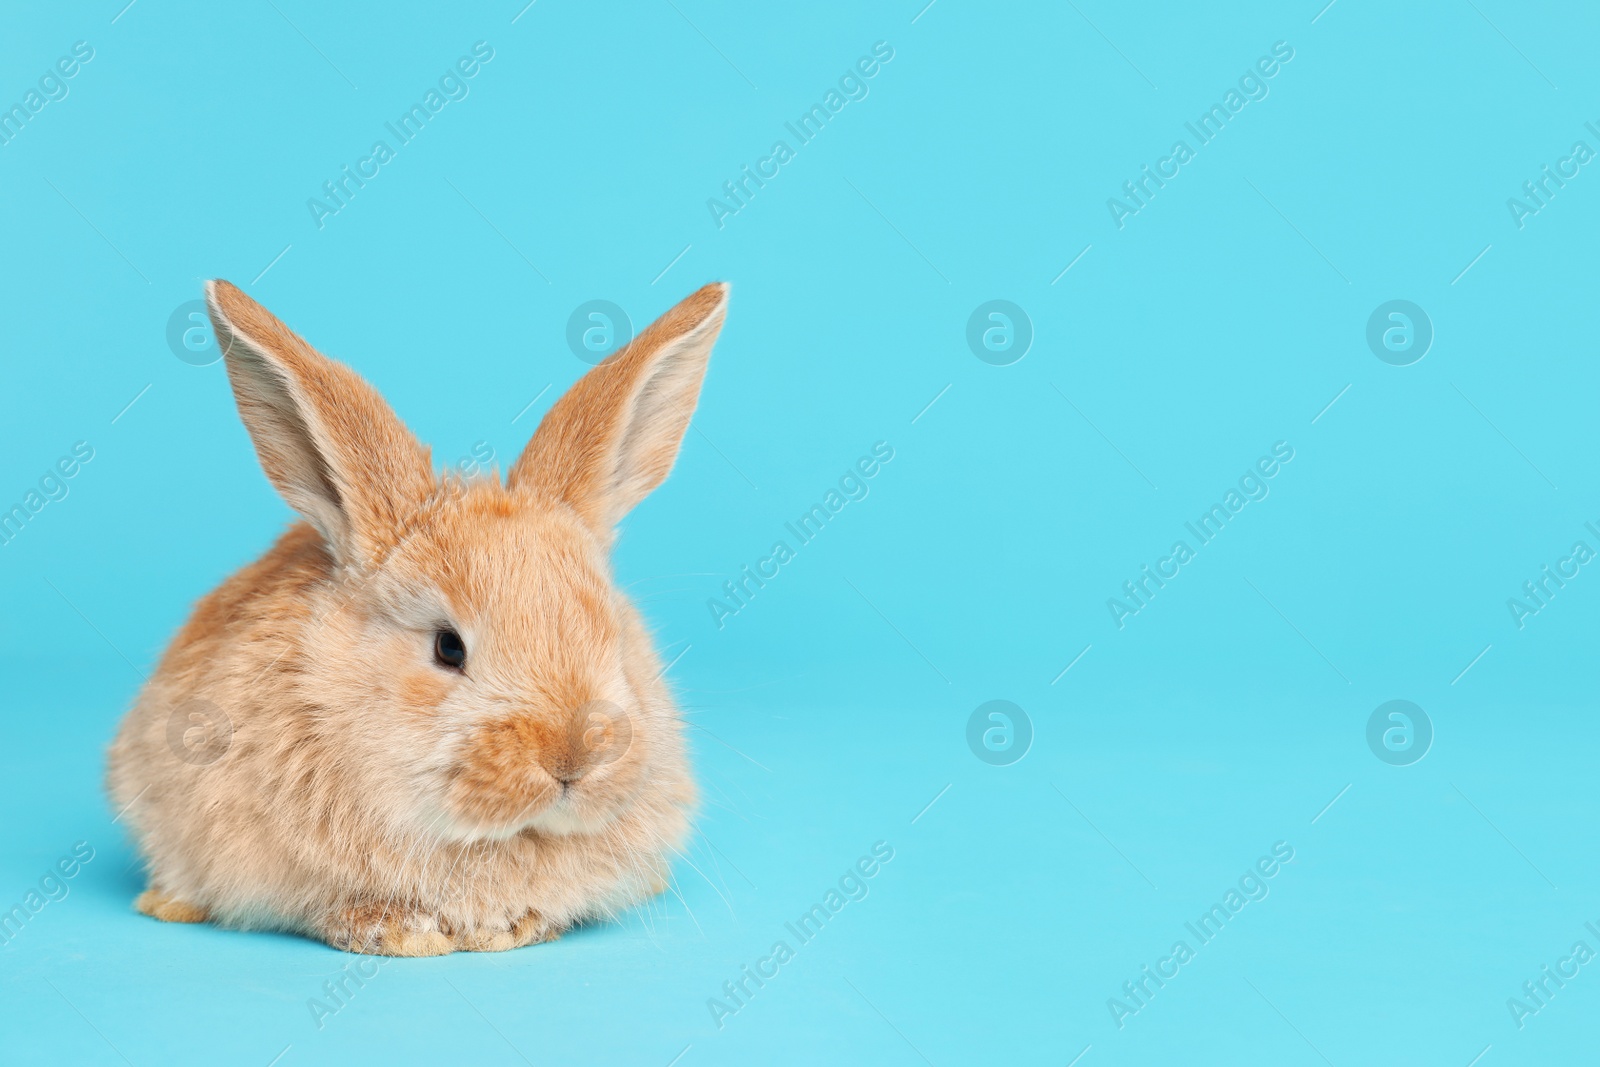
{"points": [[1222, 318]]}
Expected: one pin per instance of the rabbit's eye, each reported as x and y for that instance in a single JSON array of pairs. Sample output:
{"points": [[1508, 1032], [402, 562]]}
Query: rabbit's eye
{"points": [[448, 650]]}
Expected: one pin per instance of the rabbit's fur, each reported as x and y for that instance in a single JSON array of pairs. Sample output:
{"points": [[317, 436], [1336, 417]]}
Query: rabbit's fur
{"points": [[368, 794]]}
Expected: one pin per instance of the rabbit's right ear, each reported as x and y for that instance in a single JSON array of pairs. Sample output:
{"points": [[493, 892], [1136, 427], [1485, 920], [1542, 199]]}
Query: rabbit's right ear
{"points": [[615, 434], [327, 441]]}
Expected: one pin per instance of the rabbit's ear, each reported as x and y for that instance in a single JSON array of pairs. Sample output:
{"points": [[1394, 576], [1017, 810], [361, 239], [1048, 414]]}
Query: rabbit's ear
{"points": [[327, 441], [614, 436]]}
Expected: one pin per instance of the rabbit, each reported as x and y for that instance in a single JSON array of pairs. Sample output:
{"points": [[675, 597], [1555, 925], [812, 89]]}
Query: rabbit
{"points": [[426, 720]]}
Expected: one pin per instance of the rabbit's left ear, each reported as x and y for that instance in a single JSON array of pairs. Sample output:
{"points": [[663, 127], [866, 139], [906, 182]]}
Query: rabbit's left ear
{"points": [[615, 434], [327, 441]]}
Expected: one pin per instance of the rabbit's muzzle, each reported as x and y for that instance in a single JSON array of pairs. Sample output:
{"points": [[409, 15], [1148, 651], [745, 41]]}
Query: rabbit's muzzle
{"points": [[523, 765]]}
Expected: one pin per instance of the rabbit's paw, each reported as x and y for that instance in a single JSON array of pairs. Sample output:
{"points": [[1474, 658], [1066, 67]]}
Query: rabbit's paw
{"points": [[386, 930], [484, 939], [533, 928], [158, 904], [528, 930], [491, 937]]}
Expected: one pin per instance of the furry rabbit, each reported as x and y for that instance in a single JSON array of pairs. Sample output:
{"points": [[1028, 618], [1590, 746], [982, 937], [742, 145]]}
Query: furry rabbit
{"points": [[426, 719]]}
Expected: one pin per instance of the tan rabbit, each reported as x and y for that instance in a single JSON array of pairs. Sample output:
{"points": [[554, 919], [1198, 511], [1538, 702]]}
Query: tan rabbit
{"points": [[426, 719]]}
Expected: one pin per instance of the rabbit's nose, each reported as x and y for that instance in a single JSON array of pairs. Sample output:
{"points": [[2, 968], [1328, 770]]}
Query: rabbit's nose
{"points": [[597, 733], [567, 766]]}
